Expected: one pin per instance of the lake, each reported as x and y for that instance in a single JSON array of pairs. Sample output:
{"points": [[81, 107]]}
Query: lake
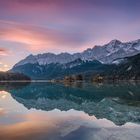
{"points": [[70, 111]]}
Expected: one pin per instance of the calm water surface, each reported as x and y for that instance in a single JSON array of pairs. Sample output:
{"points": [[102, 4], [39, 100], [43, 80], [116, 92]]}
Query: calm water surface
{"points": [[78, 111]]}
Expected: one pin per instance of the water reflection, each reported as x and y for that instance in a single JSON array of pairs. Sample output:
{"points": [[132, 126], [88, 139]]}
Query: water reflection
{"points": [[119, 103], [28, 111], [61, 125]]}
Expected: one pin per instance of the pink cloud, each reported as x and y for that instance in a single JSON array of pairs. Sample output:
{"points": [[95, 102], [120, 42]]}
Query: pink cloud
{"points": [[37, 38], [3, 52]]}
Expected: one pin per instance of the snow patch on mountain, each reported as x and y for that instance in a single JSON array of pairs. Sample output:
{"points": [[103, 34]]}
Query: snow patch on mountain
{"points": [[118, 61]]}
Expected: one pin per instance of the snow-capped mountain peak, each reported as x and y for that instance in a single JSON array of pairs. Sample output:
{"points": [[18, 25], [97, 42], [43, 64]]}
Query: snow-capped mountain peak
{"points": [[114, 42], [107, 53]]}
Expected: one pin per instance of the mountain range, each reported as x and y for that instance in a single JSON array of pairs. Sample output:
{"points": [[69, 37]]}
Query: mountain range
{"points": [[111, 57]]}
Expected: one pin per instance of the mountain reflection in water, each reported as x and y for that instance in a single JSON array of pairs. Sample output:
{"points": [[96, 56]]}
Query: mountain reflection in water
{"points": [[119, 103], [81, 111]]}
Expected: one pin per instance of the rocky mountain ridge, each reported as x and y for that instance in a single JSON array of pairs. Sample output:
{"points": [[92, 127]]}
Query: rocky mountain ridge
{"points": [[105, 54]]}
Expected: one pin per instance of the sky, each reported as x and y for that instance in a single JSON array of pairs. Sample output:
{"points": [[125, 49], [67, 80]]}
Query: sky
{"points": [[40, 26]]}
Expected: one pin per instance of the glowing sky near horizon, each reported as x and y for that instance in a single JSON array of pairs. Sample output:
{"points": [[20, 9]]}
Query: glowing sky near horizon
{"points": [[39, 26]]}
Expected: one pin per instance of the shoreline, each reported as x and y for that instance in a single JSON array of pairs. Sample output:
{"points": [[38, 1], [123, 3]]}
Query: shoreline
{"points": [[63, 81]]}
